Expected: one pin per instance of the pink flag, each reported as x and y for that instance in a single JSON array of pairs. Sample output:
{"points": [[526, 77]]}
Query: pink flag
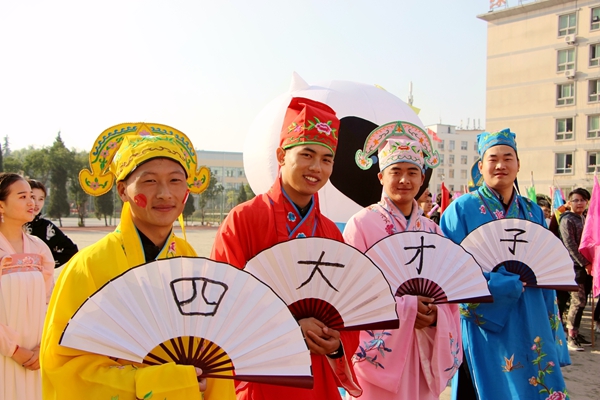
{"points": [[590, 238]]}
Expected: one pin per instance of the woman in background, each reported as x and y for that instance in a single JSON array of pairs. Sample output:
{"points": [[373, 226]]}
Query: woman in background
{"points": [[26, 282], [60, 245]]}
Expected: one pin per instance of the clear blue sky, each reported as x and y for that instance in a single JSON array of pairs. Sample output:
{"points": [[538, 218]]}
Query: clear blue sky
{"points": [[208, 67]]}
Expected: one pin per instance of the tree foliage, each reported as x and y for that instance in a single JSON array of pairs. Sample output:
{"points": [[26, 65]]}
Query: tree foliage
{"points": [[242, 196], [249, 193], [210, 194], [104, 205], [12, 164], [59, 162], [6, 146], [37, 164], [189, 208], [79, 197]]}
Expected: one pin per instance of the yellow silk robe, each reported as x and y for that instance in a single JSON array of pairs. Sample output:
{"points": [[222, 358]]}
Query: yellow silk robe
{"points": [[74, 374]]}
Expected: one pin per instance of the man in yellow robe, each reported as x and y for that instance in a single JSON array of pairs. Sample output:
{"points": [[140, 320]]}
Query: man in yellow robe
{"points": [[155, 169]]}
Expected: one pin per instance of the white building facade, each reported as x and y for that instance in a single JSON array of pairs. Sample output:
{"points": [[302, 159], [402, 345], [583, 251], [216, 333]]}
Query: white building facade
{"points": [[458, 152]]}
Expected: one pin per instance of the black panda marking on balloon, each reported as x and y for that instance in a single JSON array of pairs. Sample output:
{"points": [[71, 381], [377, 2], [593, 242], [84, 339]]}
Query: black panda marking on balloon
{"points": [[361, 186]]}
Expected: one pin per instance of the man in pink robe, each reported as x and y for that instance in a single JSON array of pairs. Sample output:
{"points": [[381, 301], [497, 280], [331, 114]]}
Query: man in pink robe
{"points": [[417, 360]]}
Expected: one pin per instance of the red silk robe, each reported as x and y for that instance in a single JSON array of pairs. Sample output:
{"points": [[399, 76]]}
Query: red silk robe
{"points": [[258, 224]]}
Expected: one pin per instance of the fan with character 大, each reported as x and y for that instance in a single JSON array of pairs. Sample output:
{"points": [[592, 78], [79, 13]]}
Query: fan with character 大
{"points": [[328, 280], [430, 265], [524, 248], [194, 311]]}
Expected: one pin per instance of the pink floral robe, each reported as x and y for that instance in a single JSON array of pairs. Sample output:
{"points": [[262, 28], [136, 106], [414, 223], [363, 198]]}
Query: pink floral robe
{"points": [[404, 363], [26, 282]]}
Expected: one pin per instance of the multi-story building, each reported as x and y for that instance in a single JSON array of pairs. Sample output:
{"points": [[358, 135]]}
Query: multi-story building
{"points": [[543, 81], [228, 170], [458, 152], [226, 166]]}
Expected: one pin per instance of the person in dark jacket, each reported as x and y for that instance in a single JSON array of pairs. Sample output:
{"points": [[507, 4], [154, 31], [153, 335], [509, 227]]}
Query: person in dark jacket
{"points": [[61, 246], [571, 227]]}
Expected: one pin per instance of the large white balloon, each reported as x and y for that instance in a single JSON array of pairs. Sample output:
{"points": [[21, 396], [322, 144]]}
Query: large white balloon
{"points": [[347, 99]]}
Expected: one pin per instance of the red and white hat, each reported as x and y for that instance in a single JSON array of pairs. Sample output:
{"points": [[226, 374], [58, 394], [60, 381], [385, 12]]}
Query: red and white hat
{"points": [[309, 122]]}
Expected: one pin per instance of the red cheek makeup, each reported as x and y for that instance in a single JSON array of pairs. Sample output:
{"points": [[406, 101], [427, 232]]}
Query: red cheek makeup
{"points": [[140, 200]]}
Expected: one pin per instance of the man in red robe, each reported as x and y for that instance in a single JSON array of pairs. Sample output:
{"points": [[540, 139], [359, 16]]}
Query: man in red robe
{"points": [[290, 209]]}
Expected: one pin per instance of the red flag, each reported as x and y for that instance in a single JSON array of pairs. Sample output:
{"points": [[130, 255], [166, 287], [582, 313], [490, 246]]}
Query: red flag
{"points": [[445, 199], [497, 3], [433, 135], [589, 246]]}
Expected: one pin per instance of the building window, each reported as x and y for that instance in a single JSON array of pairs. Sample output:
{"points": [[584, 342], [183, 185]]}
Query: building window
{"points": [[441, 145], [463, 174], [594, 54], [451, 159], [564, 163], [451, 146], [475, 159], [565, 94], [566, 60], [463, 145], [463, 160], [564, 128], [567, 24], [475, 147], [593, 90], [451, 188], [593, 127], [441, 159], [451, 173], [440, 173], [593, 161], [595, 18]]}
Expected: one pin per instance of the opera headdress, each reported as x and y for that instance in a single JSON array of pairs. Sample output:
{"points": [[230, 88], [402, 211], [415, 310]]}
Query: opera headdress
{"points": [[122, 148], [396, 142]]}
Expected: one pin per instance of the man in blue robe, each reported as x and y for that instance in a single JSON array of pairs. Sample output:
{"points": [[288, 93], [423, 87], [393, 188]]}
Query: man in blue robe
{"points": [[513, 347]]}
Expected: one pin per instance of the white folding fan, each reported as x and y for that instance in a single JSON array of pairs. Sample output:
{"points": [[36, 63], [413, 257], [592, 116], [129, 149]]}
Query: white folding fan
{"points": [[328, 280], [194, 311], [428, 264], [525, 248]]}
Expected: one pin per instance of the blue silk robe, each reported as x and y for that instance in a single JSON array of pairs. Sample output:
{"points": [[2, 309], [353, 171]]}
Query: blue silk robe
{"points": [[514, 347]]}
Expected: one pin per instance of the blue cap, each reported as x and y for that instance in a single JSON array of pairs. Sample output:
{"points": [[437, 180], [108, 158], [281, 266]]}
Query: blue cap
{"points": [[486, 140]]}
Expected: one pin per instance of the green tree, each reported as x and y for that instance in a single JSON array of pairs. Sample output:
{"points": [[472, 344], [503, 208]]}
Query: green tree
{"points": [[210, 194], [79, 197], [189, 208], [6, 146], [249, 193], [242, 197], [60, 161], [104, 205], [37, 164], [231, 199], [12, 164]]}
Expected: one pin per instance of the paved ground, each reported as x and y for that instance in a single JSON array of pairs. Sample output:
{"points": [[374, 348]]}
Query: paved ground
{"points": [[583, 376]]}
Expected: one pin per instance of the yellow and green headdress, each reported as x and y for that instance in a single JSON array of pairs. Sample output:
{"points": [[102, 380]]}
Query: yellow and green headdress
{"points": [[121, 148]]}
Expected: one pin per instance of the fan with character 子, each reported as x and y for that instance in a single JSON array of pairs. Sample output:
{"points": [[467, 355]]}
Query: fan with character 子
{"points": [[524, 248], [194, 311], [328, 280], [430, 265]]}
